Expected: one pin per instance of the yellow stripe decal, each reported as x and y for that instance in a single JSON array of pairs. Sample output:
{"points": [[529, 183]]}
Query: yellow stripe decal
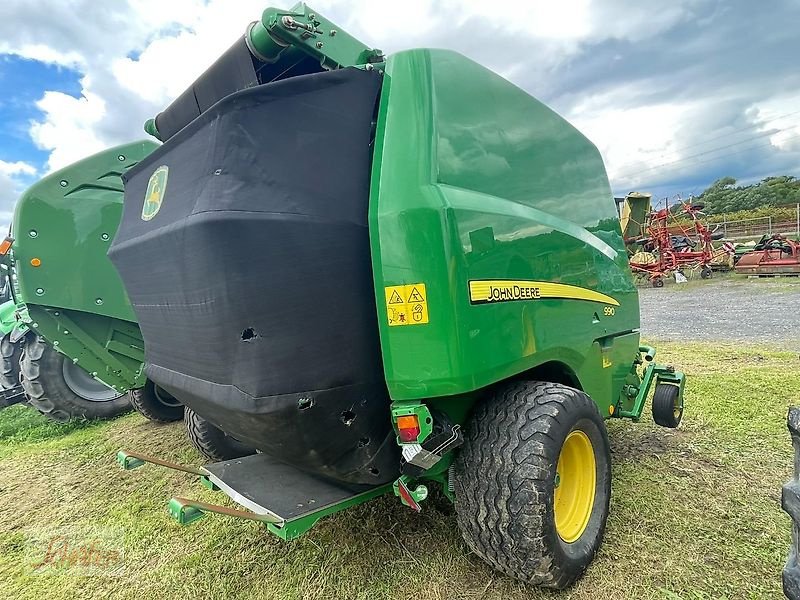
{"points": [[486, 291]]}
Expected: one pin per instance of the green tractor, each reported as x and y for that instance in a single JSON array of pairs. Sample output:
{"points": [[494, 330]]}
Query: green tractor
{"points": [[387, 274]]}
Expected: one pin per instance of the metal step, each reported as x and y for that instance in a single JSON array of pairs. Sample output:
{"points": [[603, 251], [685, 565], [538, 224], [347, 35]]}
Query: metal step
{"points": [[269, 487], [288, 500], [12, 396]]}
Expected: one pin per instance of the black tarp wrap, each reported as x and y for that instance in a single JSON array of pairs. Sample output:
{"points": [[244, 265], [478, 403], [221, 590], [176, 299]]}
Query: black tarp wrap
{"points": [[231, 72], [235, 70], [253, 284]]}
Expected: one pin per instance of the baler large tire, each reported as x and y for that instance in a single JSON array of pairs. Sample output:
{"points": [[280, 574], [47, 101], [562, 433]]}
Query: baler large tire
{"points": [[533, 482], [156, 404], [46, 377], [11, 353], [211, 441]]}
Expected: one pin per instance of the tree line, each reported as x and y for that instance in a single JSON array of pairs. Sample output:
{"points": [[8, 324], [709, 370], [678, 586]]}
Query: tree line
{"points": [[724, 196]]}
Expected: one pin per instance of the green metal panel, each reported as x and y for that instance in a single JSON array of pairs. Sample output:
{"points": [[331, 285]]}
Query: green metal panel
{"points": [[7, 319], [63, 226], [304, 28], [67, 221], [473, 179], [111, 350], [634, 213]]}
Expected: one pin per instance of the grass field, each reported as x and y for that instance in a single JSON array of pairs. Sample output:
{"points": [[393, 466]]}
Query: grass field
{"points": [[695, 511]]}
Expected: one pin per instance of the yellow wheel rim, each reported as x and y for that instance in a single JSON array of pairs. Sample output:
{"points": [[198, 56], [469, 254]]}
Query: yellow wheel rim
{"points": [[576, 475]]}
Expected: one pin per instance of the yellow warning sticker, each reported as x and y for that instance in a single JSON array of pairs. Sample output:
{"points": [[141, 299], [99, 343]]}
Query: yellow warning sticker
{"points": [[407, 304]]}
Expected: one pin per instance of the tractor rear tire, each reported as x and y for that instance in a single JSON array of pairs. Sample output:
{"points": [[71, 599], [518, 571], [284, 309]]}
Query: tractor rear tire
{"points": [[11, 353], [156, 404], [667, 406], [211, 441], [533, 482], [44, 379]]}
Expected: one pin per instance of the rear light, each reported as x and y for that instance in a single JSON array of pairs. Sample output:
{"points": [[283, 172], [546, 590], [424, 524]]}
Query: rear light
{"points": [[5, 245], [408, 428]]}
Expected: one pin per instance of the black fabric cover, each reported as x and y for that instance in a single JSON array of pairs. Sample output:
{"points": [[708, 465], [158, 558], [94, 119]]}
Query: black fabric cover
{"points": [[231, 72], [253, 284], [237, 69]]}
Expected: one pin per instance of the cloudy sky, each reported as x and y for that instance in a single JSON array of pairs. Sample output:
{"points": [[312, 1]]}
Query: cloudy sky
{"points": [[675, 94]]}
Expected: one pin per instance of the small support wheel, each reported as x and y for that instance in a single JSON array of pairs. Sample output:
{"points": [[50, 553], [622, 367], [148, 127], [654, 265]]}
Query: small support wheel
{"points": [[533, 482], [706, 273], [657, 282], [667, 405]]}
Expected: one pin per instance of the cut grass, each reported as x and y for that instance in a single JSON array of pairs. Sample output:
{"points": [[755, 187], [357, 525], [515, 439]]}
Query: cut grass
{"points": [[695, 511]]}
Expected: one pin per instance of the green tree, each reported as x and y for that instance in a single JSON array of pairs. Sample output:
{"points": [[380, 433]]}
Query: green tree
{"points": [[724, 196]]}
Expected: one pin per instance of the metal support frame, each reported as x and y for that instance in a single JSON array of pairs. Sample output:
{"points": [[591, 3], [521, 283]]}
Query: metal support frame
{"points": [[109, 361], [304, 28], [186, 511], [661, 374]]}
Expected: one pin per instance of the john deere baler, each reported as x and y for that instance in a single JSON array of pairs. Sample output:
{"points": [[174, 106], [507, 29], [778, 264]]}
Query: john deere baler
{"points": [[386, 271]]}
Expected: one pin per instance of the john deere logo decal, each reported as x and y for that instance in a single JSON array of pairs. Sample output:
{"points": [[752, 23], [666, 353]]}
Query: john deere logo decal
{"points": [[154, 196], [485, 291]]}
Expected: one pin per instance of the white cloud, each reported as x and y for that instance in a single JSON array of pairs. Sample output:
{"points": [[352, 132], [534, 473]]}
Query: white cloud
{"points": [[781, 114], [16, 168], [137, 56], [12, 175], [169, 64], [68, 129], [143, 55], [632, 140]]}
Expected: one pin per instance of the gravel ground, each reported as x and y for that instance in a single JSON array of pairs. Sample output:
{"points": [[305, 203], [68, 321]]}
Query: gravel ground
{"points": [[757, 311]]}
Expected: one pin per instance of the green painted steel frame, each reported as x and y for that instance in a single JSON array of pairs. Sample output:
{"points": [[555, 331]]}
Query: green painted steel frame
{"points": [[294, 528], [423, 414], [660, 374], [186, 511], [112, 350], [8, 320], [304, 28]]}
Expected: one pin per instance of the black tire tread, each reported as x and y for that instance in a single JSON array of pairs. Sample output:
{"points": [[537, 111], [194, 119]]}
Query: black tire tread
{"points": [[500, 509], [664, 404], [211, 441], [43, 381], [11, 354], [147, 404]]}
